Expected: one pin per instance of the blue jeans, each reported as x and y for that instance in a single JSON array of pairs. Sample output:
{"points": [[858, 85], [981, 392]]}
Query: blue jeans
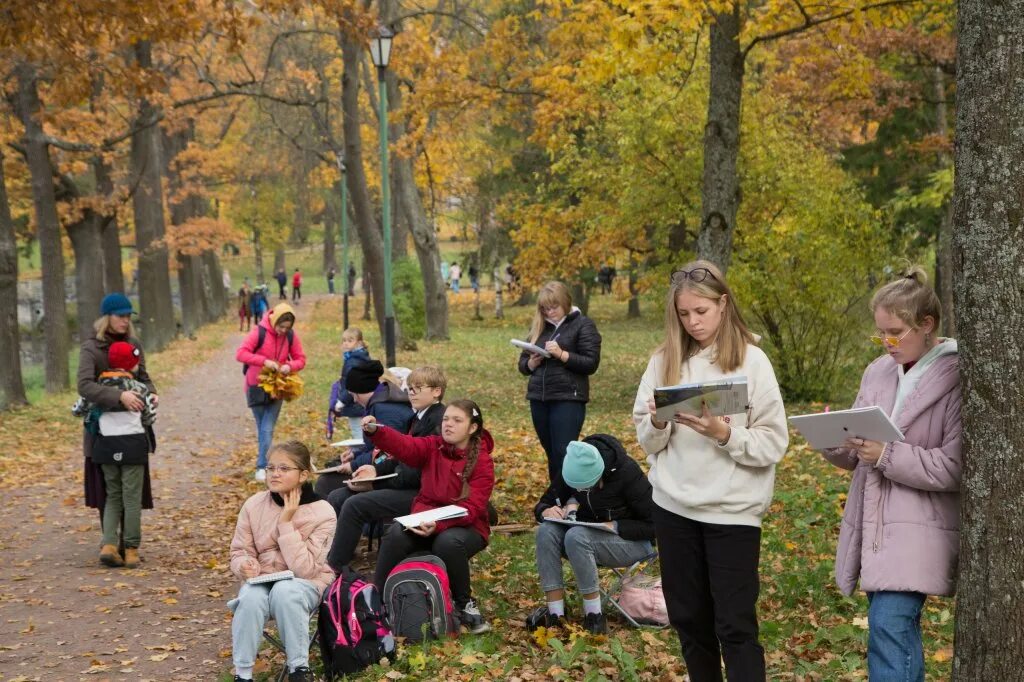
{"points": [[557, 422], [586, 549], [266, 419], [895, 652], [290, 602]]}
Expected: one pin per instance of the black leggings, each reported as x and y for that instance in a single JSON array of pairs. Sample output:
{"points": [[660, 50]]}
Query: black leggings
{"points": [[455, 546]]}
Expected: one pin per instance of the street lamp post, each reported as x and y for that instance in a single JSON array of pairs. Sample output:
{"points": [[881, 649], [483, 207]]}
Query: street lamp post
{"points": [[380, 52], [344, 241]]}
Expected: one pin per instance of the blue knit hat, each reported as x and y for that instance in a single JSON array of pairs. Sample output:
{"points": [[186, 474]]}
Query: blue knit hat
{"points": [[116, 304], [583, 465]]}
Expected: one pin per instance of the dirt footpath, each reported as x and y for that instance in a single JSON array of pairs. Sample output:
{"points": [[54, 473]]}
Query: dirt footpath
{"points": [[63, 616]]}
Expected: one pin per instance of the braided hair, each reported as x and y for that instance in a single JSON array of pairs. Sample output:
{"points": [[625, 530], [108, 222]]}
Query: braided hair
{"points": [[472, 410]]}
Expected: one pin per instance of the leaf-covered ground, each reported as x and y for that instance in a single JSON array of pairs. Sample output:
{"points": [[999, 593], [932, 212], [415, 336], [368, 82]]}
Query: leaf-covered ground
{"points": [[809, 630]]}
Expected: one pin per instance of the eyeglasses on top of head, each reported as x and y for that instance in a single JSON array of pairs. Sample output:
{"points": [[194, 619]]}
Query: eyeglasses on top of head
{"points": [[695, 275]]}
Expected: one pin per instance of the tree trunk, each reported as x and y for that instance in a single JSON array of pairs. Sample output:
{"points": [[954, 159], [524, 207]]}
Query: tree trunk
{"points": [[279, 261], [355, 175], [12, 388], [332, 228], [213, 283], [943, 252], [580, 296], [44, 200], [633, 309], [424, 236], [113, 269], [988, 249], [113, 272], [87, 243], [720, 191], [190, 285], [156, 309], [257, 250], [499, 305]]}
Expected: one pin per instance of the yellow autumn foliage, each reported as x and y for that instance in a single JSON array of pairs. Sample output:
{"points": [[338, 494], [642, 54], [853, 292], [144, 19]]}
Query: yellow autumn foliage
{"points": [[281, 386]]}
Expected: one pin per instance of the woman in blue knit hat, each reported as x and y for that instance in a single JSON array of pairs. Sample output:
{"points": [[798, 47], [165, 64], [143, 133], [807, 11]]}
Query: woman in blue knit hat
{"points": [[609, 489], [114, 324]]}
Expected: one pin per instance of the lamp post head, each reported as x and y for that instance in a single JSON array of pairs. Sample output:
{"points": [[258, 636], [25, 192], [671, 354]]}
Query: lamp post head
{"points": [[380, 46]]}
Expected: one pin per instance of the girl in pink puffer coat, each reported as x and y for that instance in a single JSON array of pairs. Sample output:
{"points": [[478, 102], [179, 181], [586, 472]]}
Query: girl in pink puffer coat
{"points": [[288, 527], [900, 533]]}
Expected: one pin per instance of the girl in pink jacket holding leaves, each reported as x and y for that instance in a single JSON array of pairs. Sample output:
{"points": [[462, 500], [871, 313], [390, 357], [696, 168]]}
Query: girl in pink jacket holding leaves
{"points": [[900, 533]]}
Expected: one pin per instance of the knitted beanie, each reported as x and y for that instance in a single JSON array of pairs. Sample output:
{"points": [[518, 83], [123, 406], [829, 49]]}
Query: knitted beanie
{"points": [[364, 377], [123, 355], [583, 465]]}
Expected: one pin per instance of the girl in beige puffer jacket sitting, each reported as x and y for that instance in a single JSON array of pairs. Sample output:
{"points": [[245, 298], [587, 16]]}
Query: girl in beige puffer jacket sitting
{"points": [[288, 527]]}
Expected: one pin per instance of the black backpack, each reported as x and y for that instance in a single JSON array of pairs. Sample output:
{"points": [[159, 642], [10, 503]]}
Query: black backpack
{"points": [[262, 336], [418, 600], [352, 628]]}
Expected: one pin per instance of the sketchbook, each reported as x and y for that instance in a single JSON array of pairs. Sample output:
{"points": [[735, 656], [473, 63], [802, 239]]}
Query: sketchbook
{"points": [[723, 397], [530, 348], [452, 511], [349, 443], [585, 524], [831, 429], [271, 577]]}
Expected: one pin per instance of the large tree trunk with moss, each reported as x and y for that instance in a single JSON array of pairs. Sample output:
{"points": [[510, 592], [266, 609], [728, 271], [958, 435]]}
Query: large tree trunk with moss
{"points": [[12, 388], [988, 250], [720, 190], [156, 309], [44, 201]]}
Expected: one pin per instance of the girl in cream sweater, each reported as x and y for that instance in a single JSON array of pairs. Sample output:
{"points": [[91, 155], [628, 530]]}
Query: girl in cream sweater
{"points": [[712, 477]]}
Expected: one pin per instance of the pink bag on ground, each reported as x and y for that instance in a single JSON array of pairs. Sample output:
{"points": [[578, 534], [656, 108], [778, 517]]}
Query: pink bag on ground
{"points": [[644, 601]]}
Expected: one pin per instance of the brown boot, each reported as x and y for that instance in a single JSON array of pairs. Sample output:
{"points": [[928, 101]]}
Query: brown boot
{"points": [[109, 556], [131, 557]]}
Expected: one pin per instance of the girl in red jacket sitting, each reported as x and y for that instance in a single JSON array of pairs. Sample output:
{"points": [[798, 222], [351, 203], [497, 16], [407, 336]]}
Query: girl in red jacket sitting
{"points": [[287, 527], [456, 469]]}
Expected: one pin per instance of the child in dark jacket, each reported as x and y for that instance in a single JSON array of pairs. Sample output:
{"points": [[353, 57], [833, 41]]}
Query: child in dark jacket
{"points": [[122, 450], [359, 503], [456, 469], [341, 404], [610, 489], [382, 398]]}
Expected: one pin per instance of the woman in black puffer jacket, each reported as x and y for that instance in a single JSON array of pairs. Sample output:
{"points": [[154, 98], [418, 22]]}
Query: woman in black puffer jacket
{"points": [[559, 386]]}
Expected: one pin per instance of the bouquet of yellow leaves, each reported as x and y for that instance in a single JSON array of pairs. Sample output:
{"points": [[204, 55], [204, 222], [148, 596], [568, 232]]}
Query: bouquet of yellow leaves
{"points": [[281, 386]]}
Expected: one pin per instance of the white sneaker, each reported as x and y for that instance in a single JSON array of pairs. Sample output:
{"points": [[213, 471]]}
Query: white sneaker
{"points": [[261, 474]]}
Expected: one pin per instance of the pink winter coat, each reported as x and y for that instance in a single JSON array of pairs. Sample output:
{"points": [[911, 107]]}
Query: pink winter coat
{"points": [[299, 546], [275, 347], [901, 526]]}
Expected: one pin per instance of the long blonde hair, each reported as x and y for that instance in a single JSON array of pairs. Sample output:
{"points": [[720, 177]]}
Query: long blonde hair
{"points": [[732, 337], [103, 333], [551, 294]]}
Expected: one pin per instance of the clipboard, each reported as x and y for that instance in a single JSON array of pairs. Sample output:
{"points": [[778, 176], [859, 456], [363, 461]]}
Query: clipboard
{"points": [[530, 348], [831, 429]]}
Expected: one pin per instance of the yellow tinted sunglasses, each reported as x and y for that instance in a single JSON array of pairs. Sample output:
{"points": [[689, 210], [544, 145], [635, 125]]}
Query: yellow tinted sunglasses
{"points": [[893, 341]]}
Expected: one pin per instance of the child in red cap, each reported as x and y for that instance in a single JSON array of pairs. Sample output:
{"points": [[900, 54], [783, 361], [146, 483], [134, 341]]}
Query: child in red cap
{"points": [[122, 450]]}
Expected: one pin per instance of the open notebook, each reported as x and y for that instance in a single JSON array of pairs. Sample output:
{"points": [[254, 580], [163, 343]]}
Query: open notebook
{"points": [[452, 511]]}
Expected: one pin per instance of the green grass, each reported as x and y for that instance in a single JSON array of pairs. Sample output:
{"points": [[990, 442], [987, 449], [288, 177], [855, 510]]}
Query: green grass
{"points": [[809, 630]]}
